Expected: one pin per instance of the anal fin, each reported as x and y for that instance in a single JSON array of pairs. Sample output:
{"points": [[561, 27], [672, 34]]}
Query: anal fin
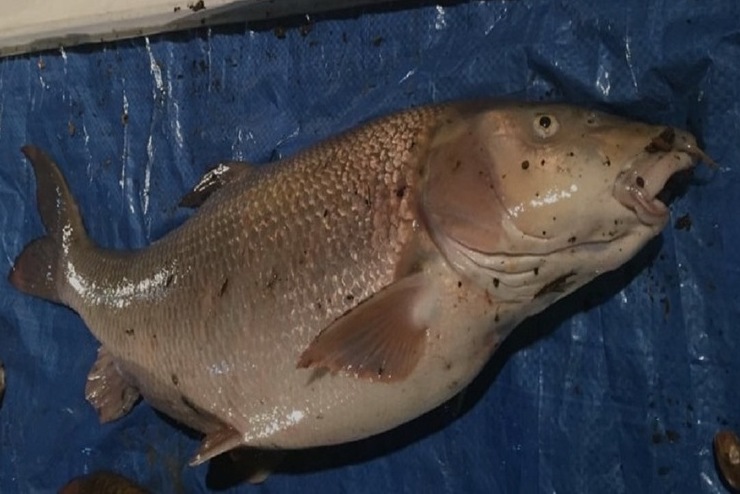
{"points": [[381, 339], [216, 443], [107, 390]]}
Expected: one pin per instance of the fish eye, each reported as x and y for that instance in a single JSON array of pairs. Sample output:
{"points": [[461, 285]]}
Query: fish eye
{"points": [[546, 125]]}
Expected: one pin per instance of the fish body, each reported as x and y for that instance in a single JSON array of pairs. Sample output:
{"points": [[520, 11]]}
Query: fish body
{"points": [[352, 287]]}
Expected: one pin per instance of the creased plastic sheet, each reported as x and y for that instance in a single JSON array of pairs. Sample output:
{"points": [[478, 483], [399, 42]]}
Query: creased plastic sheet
{"points": [[618, 389]]}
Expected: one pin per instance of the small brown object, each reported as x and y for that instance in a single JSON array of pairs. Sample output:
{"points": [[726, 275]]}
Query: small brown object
{"points": [[197, 6], [683, 223], [663, 142], [727, 455], [280, 32], [558, 285], [102, 483]]}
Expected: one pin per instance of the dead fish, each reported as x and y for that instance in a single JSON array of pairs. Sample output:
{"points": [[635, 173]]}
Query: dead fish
{"points": [[727, 455], [362, 282], [102, 483]]}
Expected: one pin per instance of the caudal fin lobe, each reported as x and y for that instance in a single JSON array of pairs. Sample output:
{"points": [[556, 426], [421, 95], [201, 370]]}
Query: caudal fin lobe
{"points": [[36, 270]]}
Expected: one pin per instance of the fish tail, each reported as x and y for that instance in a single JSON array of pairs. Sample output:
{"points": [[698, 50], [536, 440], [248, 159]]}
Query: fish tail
{"points": [[37, 270]]}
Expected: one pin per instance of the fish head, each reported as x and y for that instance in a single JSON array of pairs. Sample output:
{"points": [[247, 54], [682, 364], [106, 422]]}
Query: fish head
{"points": [[540, 199]]}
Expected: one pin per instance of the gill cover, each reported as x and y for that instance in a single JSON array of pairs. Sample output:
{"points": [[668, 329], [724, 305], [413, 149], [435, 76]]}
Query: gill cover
{"points": [[459, 200]]}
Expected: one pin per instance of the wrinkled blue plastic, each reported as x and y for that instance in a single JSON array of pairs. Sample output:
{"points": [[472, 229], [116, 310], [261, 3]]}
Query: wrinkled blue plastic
{"points": [[619, 389]]}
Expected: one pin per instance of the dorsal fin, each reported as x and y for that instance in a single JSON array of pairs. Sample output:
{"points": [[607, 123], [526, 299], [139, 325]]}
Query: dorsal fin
{"points": [[214, 179]]}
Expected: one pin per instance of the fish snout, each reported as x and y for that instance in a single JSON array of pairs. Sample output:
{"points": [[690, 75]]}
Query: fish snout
{"points": [[654, 176]]}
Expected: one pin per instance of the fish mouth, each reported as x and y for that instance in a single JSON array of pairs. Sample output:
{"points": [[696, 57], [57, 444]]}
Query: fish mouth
{"points": [[656, 175]]}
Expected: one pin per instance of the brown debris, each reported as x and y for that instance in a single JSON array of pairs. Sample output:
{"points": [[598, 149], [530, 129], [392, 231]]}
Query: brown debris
{"points": [[727, 456]]}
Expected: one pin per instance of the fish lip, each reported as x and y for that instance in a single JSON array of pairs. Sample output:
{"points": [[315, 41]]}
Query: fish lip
{"points": [[638, 186], [649, 209]]}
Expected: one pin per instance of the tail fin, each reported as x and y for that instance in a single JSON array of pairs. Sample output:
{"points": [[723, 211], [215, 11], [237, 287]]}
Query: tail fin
{"points": [[37, 269]]}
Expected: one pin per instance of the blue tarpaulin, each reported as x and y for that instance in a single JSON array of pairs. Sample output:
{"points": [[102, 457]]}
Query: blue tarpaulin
{"points": [[618, 389]]}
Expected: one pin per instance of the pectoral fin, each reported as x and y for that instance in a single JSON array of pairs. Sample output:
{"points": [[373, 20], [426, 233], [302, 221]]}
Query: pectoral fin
{"points": [[107, 390], [213, 180], [381, 339], [216, 443]]}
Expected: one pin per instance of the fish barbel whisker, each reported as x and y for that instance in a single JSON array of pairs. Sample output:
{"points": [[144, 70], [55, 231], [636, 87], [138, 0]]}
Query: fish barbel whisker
{"points": [[666, 141], [696, 153]]}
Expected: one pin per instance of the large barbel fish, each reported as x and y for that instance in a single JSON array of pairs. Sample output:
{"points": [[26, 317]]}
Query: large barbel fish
{"points": [[350, 288]]}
